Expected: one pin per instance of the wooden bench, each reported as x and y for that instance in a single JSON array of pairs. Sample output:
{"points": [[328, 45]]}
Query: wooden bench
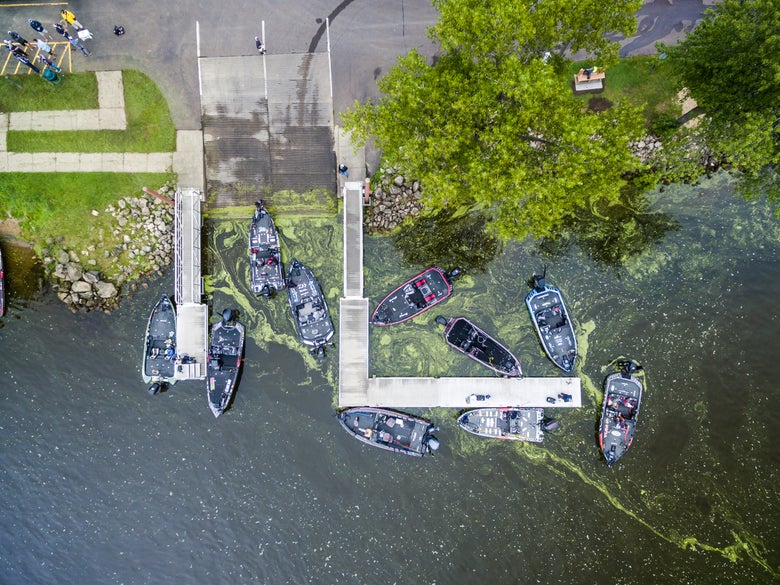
{"points": [[590, 79]]}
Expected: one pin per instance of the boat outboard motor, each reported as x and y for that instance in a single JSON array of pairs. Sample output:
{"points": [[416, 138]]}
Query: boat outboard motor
{"points": [[539, 280], [433, 444], [441, 320], [227, 316], [550, 424], [156, 388], [454, 273]]}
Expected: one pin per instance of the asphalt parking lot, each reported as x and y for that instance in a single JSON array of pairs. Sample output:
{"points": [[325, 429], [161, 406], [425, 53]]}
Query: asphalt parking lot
{"points": [[164, 39]]}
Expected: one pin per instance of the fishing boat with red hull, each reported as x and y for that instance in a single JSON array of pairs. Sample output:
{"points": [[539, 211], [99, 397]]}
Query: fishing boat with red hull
{"points": [[266, 273], [462, 335], [390, 430], [622, 399], [309, 309], [418, 294], [511, 423]]}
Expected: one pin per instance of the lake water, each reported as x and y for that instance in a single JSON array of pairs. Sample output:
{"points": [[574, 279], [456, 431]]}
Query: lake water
{"points": [[102, 483]]}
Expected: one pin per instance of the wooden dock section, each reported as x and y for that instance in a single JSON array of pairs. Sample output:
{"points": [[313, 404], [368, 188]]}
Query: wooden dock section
{"points": [[357, 389]]}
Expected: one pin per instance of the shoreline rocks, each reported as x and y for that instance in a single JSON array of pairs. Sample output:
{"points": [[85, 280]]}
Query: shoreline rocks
{"points": [[393, 199], [140, 245]]}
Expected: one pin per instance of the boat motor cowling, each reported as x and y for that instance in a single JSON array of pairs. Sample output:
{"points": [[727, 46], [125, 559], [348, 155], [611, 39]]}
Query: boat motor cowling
{"points": [[433, 444]]}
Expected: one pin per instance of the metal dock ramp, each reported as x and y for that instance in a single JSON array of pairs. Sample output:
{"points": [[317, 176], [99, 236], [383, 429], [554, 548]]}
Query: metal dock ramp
{"points": [[192, 317]]}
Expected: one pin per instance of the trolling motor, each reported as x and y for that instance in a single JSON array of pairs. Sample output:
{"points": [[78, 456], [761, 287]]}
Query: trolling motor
{"points": [[539, 280], [628, 368], [227, 316]]}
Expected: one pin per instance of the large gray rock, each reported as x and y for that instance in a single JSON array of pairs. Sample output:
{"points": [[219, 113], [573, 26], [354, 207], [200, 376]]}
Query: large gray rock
{"points": [[105, 290], [75, 271], [81, 287], [91, 276]]}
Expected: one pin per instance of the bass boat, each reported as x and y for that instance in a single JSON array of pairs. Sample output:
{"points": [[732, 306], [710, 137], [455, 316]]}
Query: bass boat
{"points": [[2, 287], [515, 424], [391, 430], [159, 362], [553, 324], [266, 272], [622, 398], [467, 338], [418, 294], [309, 309], [224, 361]]}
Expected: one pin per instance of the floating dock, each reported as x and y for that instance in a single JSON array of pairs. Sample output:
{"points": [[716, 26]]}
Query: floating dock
{"points": [[192, 317], [356, 388]]}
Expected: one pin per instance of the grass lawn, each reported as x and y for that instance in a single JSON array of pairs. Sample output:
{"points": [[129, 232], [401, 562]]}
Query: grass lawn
{"points": [[149, 124], [30, 93], [57, 207], [50, 206], [643, 80]]}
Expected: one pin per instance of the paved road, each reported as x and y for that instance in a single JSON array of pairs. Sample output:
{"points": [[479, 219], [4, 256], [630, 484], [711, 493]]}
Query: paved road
{"points": [[366, 36]]}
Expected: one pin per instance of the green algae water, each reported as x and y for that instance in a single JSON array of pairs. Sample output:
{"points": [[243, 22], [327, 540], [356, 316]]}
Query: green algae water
{"points": [[102, 483]]}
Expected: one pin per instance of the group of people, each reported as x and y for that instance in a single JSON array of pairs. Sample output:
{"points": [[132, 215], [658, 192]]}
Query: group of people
{"points": [[17, 45]]}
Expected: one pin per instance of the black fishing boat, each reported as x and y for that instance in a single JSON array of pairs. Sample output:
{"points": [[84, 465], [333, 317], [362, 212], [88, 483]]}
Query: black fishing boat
{"points": [[622, 398], [553, 324], [2, 287], [224, 361], [266, 272], [159, 361], [418, 294], [467, 338], [391, 430], [309, 309], [512, 423]]}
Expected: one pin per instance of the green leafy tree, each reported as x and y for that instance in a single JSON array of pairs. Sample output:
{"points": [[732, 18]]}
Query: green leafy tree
{"points": [[730, 63], [490, 126], [528, 29]]}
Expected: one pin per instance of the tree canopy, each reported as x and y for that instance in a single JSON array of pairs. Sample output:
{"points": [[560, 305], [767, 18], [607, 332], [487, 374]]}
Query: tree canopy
{"points": [[490, 125], [730, 63]]}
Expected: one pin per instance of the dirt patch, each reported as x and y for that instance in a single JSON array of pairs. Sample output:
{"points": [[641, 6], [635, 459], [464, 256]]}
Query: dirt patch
{"points": [[11, 231], [599, 104]]}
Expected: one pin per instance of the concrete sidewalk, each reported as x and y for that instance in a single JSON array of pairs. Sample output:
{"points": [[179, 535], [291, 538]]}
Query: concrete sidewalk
{"points": [[186, 161]]}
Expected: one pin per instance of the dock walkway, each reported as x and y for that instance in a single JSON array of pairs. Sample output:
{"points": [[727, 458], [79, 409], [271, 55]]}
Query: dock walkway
{"points": [[192, 317]]}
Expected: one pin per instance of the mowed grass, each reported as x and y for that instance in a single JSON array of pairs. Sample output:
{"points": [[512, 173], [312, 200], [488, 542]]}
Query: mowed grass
{"points": [[58, 206], [639, 81], [149, 124], [30, 93]]}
